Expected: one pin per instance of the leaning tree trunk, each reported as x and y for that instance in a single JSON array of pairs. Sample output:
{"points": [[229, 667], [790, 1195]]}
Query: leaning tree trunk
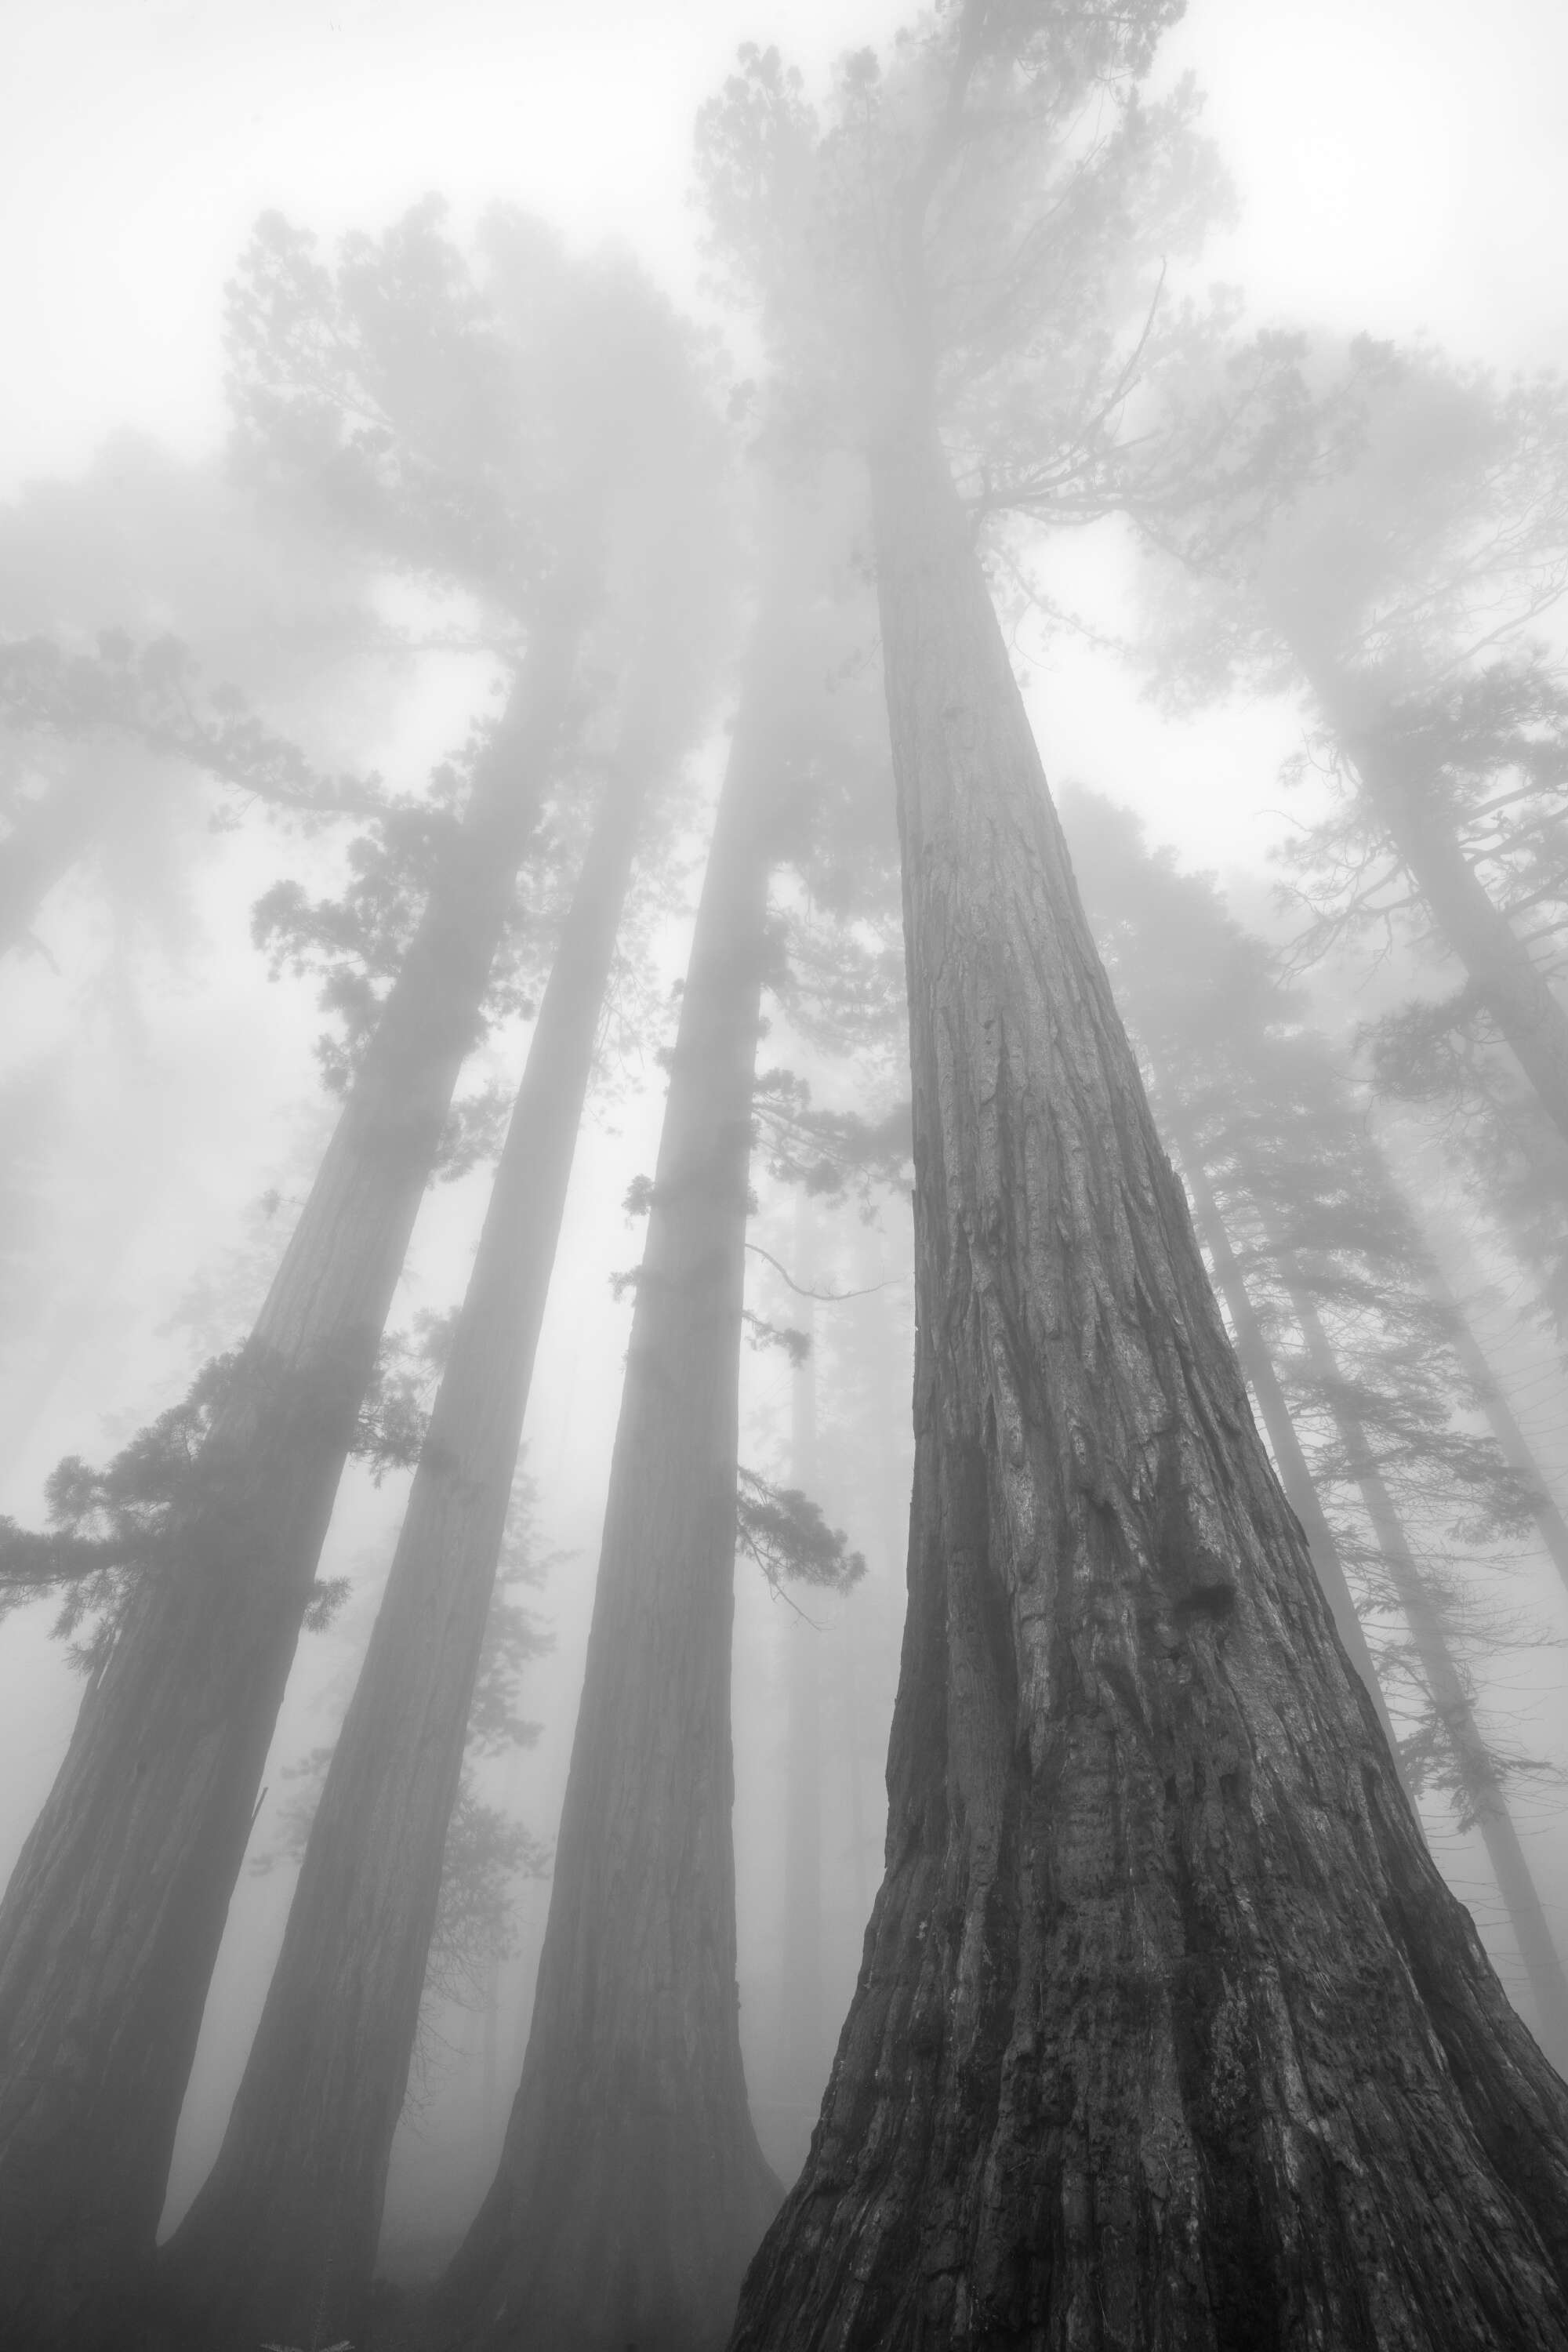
{"points": [[1502, 971], [1501, 1420], [631, 2190], [112, 1923], [1505, 975], [1479, 1775], [1257, 1366], [1167, 2032], [282, 2239]]}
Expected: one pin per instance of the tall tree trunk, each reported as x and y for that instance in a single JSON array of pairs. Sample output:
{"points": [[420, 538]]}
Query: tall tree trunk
{"points": [[1168, 2032], [1512, 1443], [800, 1941], [1501, 970], [282, 2237], [1478, 1776], [113, 1920], [631, 2190], [1506, 977], [1258, 1365]]}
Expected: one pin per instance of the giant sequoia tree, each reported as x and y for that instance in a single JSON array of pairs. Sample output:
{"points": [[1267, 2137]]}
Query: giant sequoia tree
{"points": [[631, 2190], [1167, 2029], [504, 457], [282, 2239], [1188, 981], [1346, 1343]]}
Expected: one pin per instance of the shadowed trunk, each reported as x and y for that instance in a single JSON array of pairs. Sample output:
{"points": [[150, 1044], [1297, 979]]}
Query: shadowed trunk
{"points": [[1479, 1777], [281, 2240], [112, 1923], [631, 2190], [1167, 2032]]}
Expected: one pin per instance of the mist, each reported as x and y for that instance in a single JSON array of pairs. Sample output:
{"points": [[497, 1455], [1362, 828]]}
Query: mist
{"points": [[784, 1132]]}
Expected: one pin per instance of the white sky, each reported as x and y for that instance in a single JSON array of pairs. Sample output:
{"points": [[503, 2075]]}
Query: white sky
{"points": [[1402, 166], [1404, 162]]}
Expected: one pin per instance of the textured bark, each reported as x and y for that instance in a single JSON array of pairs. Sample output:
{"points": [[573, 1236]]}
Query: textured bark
{"points": [[112, 1923], [1258, 1365], [1167, 2032], [1479, 1777], [282, 2239], [631, 2190]]}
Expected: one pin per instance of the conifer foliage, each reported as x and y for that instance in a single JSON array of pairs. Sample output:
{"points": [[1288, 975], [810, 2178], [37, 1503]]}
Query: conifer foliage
{"points": [[1167, 2032]]}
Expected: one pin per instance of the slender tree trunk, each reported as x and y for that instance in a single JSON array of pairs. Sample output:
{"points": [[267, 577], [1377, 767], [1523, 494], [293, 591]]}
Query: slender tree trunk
{"points": [[1509, 984], [800, 1942], [1478, 1776], [1168, 2032], [631, 2190], [1512, 1443], [1502, 968], [1258, 1365], [113, 1920], [282, 2236]]}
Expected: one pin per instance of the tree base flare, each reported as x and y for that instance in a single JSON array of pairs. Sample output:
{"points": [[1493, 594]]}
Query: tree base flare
{"points": [[638, 2237]]}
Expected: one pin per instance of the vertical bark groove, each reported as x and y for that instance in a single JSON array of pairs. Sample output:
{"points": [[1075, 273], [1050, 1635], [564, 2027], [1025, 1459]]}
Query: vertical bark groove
{"points": [[1286, 1446]]}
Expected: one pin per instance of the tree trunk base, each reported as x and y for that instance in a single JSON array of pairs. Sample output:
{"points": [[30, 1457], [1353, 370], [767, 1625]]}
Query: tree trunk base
{"points": [[1245, 2142], [639, 2236]]}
